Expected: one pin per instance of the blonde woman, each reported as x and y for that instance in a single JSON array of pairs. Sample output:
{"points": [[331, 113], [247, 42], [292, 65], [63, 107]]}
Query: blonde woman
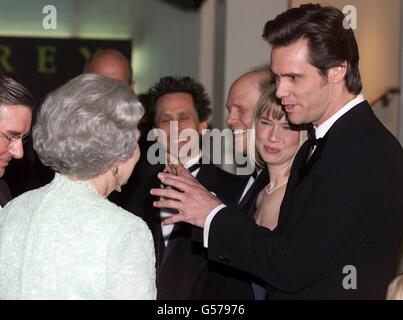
{"points": [[276, 145]]}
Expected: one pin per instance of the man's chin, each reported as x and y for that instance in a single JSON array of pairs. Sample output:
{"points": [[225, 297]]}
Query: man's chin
{"points": [[295, 120]]}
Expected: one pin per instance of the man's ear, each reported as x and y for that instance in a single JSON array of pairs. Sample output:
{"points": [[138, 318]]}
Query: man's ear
{"points": [[133, 86], [337, 74], [203, 125]]}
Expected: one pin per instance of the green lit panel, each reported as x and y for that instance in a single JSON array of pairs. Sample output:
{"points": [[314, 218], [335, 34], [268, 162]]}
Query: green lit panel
{"points": [[24, 18], [105, 19]]}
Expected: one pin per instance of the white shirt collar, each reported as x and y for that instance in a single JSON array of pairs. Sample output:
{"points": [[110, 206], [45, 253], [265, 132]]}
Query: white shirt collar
{"points": [[192, 161], [325, 126]]}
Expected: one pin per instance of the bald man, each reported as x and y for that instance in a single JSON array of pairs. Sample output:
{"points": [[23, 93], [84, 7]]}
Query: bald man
{"points": [[241, 102], [112, 64]]}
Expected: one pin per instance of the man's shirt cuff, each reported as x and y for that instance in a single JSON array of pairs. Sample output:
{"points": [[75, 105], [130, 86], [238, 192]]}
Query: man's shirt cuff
{"points": [[207, 223]]}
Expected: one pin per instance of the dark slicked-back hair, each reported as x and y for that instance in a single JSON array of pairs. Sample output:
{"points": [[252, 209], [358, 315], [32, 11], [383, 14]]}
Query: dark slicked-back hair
{"points": [[329, 43], [180, 85], [13, 93]]}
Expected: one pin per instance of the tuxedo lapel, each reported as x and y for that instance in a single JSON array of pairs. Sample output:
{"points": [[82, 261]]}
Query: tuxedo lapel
{"points": [[250, 196], [296, 169], [298, 186], [151, 216], [183, 230], [180, 230], [183, 253]]}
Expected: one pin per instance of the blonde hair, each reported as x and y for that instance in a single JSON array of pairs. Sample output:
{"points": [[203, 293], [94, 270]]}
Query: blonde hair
{"points": [[270, 105], [395, 289]]}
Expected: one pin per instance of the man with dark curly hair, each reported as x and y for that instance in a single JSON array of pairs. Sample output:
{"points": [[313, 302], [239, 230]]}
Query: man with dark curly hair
{"points": [[179, 108], [177, 104]]}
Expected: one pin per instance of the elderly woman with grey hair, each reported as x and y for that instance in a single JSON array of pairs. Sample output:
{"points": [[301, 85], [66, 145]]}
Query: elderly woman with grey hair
{"points": [[66, 240]]}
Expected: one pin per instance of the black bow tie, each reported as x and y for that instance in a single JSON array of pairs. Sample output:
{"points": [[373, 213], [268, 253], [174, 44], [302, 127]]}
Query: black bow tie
{"points": [[194, 167], [312, 137], [314, 152]]}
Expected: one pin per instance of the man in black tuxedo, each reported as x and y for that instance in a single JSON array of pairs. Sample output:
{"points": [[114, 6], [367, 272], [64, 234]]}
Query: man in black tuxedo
{"points": [[341, 220], [177, 104], [15, 122]]}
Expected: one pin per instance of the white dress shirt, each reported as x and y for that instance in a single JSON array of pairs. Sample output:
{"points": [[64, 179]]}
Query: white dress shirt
{"points": [[321, 130], [166, 213]]}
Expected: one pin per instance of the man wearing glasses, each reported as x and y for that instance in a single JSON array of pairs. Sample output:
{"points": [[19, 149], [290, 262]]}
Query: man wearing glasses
{"points": [[15, 122]]}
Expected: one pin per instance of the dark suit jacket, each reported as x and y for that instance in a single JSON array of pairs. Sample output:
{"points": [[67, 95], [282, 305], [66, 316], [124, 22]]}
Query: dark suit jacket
{"points": [[231, 283], [346, 211], [182, 267], [5, 194]]}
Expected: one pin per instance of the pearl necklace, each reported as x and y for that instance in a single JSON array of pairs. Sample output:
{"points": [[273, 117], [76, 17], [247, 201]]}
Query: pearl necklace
{"points": [[269, 192]]}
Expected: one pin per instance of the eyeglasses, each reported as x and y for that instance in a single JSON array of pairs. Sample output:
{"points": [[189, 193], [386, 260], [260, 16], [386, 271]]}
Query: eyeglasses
{"points": [[13, 139]]}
